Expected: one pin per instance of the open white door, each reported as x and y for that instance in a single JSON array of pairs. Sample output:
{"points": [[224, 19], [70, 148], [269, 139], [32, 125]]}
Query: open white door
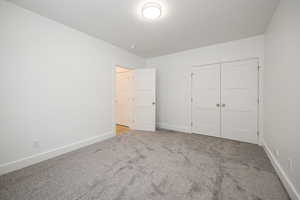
{"points": [[144, 101]]}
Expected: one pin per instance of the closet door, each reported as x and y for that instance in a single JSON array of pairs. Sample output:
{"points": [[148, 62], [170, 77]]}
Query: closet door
{"points": [[206, 100], [239, 100]]}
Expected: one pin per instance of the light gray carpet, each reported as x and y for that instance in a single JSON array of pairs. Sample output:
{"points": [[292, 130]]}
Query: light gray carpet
{"points": [[150, 166]]}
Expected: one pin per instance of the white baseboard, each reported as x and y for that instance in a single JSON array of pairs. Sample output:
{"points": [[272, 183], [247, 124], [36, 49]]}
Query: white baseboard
{"points": [[174, 127], [291, 189], [25, 162]]}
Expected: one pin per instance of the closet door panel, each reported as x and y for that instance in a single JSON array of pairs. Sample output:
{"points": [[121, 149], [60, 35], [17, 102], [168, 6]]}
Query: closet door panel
{"points": [[206, 100], [239, 100]]}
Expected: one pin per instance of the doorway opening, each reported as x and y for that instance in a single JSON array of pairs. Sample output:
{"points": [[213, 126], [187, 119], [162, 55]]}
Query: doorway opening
{"points": [[124, 99], [135, 99]]}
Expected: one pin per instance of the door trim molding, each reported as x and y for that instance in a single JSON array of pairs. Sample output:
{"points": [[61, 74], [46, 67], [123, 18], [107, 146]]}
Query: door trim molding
{"points": [[228, 61]]}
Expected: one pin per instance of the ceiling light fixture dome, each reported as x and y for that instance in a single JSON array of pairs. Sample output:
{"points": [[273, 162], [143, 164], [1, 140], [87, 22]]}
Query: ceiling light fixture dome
{"points": [[151, 11]]}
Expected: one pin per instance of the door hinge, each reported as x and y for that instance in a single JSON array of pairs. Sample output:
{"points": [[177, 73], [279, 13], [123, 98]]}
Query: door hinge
{"points": [[258, 101], [258, 67], [192, 100], [191, 123], [258, 133], [192, 74]]}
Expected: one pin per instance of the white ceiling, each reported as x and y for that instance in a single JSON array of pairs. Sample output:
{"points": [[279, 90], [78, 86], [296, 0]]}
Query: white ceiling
{"points": [[185, 24]]}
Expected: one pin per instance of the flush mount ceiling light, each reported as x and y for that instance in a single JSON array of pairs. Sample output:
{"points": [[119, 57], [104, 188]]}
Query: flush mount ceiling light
{"points": [[151, 11]]}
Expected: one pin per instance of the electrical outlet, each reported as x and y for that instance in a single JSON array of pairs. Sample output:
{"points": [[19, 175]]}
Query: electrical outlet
{"points": [[36, 144]]}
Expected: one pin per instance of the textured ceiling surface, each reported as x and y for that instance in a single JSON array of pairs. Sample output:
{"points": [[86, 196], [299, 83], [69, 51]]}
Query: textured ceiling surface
{"points": [[184, 24]]}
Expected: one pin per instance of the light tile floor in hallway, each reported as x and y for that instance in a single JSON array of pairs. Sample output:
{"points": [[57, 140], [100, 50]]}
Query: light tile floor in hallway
{"points": [[120, 130]]}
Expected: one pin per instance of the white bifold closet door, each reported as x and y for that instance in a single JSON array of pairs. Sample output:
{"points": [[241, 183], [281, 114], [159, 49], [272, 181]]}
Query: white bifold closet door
{"points": [[225, 100], [206, 100], [239, 100]]}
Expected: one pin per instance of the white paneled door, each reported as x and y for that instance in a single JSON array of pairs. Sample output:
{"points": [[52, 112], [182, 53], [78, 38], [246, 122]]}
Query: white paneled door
{"points": [[144, 104], [225, 100], [206, 100], [239, 100]]}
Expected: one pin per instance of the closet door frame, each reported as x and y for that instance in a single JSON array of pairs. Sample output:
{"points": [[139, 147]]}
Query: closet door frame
{"points": [[259, 95]]}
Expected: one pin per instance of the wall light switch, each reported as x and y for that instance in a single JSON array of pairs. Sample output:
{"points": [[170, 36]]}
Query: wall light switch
{"points": [[290, 163]]}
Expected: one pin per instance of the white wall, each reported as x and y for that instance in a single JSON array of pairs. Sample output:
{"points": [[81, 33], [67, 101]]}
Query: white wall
{"points": [[282, 93], [174, 77], [56, 87]]}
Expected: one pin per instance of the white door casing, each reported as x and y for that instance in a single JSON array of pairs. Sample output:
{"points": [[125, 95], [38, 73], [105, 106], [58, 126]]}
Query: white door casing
{"points": [[144, 101], [239, 101], [206, 100]]}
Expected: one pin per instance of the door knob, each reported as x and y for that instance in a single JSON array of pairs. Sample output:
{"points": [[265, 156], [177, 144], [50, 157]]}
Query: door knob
{"points": [[223, 105], [153, 103], [218, 105]]}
